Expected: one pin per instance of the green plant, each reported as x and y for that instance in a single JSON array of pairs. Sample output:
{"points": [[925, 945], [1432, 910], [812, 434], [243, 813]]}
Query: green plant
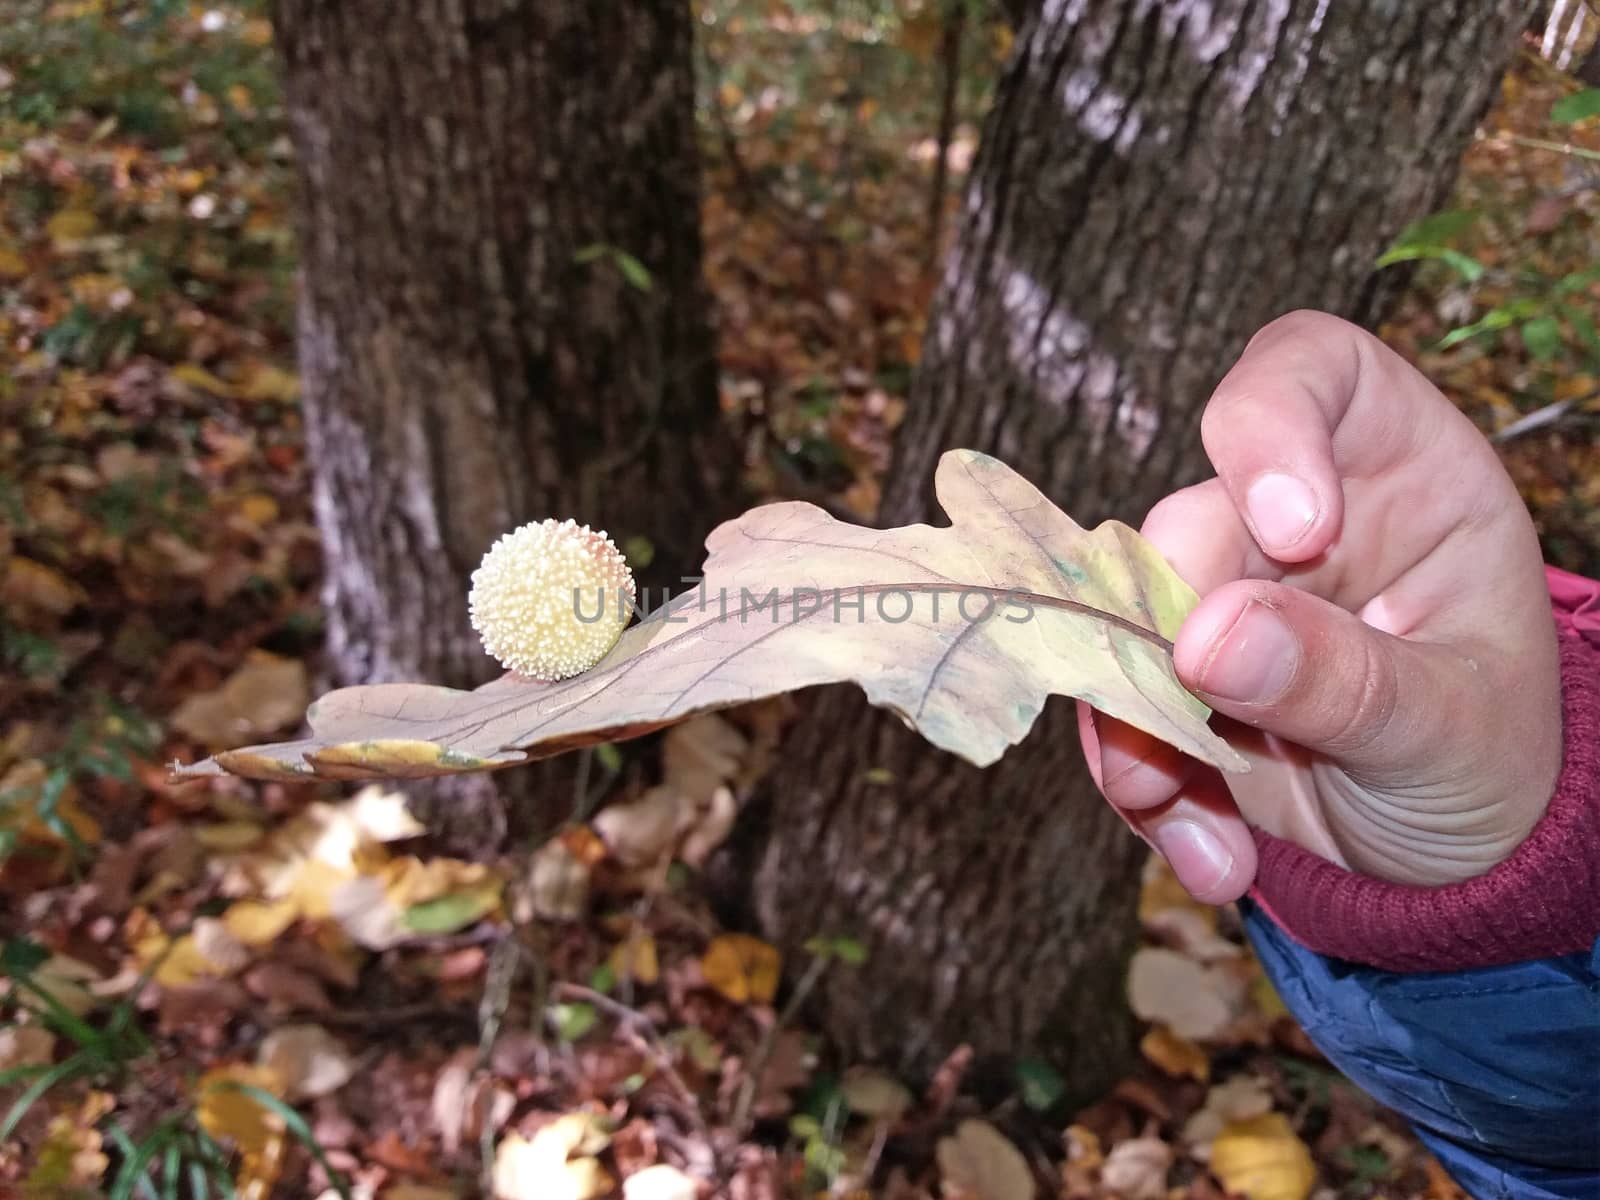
{"points": [[1525, 273], [99, 744], [177, 1158]]}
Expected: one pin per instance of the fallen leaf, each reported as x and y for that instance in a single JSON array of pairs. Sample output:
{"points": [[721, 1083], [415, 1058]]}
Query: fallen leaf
{"points": [[558, 883], [1239, 1099], [660, 1182], [362, 909], [545, 1169], [1263, 1159], [979, 1163], [259, 923], [963, 630], [266, 382], [68, 982], [635, 958], [645, 830], [198, 377], [875, 1094], [1194, 1001], [70, 1161], [701, 755], [743, 968], [1175, 1055], [25, 1046], [33, 585], [1137, 1168], [308, 1061], [70, 226], [266, 693], [224, 1111]]}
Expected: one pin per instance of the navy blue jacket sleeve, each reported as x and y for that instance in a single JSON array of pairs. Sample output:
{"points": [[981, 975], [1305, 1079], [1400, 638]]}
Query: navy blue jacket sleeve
{"points": [[1496, 1068]]}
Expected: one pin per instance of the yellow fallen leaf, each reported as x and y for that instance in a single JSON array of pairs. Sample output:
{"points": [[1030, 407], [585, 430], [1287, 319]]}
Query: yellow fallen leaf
{"points": [[310, 887], [226, 1112], [259, 923], [635, 958], [228, 837], [409, 880], [743, 968], [71, 225], [12, 264], [266, 382], [257, 1131], [209, 951], [70, 1162], [198, 377], [1175, 1055], [1263, 1159], [1238, 1099], [258, 508]]}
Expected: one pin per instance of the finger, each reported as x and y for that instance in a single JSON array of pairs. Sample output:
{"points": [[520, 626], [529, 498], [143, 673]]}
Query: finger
{"points": [[1291, 664], [1198, 829], [1138, 771], [1269, 427], [1199, 531], [1204, 839]]}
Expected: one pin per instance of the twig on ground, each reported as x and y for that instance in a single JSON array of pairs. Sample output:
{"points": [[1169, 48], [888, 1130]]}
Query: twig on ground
{"points": [[1550, 414], [641, 1030]]}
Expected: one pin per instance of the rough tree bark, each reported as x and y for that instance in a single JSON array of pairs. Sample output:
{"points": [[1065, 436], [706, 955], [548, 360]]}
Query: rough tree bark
{"points": [[1156, 181], [473, 352]]}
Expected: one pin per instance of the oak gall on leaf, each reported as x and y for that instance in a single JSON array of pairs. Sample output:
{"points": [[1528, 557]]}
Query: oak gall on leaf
{"points": [[551, 598]]}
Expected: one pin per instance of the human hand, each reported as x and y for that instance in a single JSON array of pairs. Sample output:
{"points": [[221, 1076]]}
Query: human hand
{"points": [[1374, 624]]}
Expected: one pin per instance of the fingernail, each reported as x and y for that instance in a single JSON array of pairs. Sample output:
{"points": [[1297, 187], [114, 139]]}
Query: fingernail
{"points": [[1281, 509], [1253, 660], [1197, 856]]}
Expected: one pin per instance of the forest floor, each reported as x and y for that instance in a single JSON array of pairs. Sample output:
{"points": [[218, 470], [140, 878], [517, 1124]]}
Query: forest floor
{"points": [[185, 980]]}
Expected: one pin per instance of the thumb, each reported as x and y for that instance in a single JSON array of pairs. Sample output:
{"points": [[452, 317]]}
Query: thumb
{"points": [[1292, 664]]}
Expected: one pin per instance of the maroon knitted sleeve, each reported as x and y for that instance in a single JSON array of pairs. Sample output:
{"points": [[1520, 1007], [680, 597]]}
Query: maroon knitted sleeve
{"points": [[1542, 901]]}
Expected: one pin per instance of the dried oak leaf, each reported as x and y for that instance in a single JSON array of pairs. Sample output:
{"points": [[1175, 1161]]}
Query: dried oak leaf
{"points": [[963, 630]]}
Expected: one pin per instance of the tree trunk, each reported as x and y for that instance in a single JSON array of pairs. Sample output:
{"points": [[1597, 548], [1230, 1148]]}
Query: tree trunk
{"points": [[481, 181], [1156, 181]]}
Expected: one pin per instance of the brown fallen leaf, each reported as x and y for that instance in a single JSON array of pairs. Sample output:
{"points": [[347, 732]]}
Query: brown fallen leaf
{"points": [[963, 630], [33, 585], [266, 693]]}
